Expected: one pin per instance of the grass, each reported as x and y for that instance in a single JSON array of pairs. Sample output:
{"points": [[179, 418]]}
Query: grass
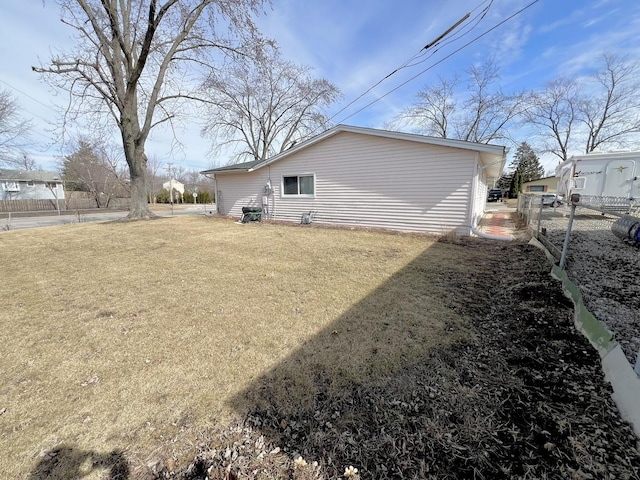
{"points": [[139, 337]]}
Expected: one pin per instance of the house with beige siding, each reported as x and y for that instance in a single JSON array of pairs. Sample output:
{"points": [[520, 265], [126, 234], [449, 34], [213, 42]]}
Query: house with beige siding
{"points": [[541, 185], [367, 178]]}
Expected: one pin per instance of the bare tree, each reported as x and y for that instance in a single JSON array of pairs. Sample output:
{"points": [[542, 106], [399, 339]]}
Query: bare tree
{"points": [[192, 179], [434, 109], [154, 178], [482, 114], [28, 163], [130, 62], [179, 172], [611, 110], [13, 134], [22, 161], [95, 168], [487, 112], [266, 104], [552, 112], [600, 111]]}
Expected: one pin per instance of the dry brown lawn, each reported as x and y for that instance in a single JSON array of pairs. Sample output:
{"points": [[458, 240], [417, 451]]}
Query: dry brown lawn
{"points": [[140, 337]]}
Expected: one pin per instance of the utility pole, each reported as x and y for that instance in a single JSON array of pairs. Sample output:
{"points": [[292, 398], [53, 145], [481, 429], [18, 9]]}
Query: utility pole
{"points": [[170, 186], [170, 183]]}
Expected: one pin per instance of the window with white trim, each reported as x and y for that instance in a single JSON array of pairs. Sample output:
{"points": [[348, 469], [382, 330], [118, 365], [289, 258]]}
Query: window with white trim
{"points": [[299, 185], [11, 186]]}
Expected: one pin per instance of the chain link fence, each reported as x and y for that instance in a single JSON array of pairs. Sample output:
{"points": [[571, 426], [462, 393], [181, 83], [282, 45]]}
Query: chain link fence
{"points": [[597, 241]]}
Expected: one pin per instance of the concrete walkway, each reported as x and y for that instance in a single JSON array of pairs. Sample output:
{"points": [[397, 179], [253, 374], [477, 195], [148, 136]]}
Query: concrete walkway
{"points": [[499, 220]]}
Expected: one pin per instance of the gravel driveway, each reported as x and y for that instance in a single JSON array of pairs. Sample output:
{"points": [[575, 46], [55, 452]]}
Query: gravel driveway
{"points": [[606, 269]]}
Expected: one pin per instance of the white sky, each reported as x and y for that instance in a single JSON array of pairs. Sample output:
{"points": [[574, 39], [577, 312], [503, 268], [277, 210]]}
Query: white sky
{"points": [[354, 44]]}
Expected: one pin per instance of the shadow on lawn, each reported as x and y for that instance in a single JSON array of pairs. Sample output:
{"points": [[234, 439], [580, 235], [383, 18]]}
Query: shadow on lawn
{"points": [[385, 368], [66, 462]]}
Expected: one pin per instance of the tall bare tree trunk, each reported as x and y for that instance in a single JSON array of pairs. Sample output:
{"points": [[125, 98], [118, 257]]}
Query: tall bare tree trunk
{"points": [[137, 161], [133, 140], [139, 207]]}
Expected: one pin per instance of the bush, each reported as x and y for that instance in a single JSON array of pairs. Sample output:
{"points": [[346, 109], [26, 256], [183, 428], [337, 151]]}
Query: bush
{"points": [[204, 197], [162, 196]]}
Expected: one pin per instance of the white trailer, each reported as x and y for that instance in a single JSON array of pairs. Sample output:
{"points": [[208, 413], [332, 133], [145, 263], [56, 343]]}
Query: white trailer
{"points": [[601, 174]]}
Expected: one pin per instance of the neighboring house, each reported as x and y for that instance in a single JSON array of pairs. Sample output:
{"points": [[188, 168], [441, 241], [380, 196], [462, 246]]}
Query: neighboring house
{"points": [[30, 185], [541, 185], [369, 178], [174, 187]]}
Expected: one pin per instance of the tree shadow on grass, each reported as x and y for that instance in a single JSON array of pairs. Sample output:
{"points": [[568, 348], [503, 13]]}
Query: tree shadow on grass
{"points": [[369, 389], [462, 365], [66, 462]]}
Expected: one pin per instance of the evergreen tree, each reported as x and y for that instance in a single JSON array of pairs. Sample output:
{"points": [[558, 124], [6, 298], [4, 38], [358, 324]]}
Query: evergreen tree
{"points": [[527, 163], [525, 167], [515, 187], [504, 182]]}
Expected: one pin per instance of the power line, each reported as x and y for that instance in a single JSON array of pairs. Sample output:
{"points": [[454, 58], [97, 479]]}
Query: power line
{"points": [[28, 96], [404, 65], [466, 30], [30, 112], [449, 30], [441, 60], [422, 52]]}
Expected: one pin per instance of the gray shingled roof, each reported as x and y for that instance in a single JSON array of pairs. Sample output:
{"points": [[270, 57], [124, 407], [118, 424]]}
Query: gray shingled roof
{"points": [[492, 156], [29, 176], [236, 167]]}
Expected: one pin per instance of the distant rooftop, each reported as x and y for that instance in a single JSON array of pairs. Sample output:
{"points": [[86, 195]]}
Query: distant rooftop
{"points": [[29, 175]]}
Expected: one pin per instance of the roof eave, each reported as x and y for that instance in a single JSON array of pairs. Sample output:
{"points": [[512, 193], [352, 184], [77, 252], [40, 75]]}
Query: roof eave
{"points": [[496, 151]]}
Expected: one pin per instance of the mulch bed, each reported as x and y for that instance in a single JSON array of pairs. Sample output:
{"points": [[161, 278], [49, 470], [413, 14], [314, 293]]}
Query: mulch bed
{"points": [[524, 397]]}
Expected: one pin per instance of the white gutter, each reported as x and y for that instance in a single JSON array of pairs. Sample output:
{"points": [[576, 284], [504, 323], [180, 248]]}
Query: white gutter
{"points": [[491, 164]]}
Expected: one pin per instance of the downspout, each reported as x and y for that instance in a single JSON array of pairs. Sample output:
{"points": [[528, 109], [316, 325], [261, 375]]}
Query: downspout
{"points": [[474, 192], [217, 194], [271, 194]]}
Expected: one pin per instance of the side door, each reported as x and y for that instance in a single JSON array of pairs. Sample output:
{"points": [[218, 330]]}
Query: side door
{"points": [[619, 179]]}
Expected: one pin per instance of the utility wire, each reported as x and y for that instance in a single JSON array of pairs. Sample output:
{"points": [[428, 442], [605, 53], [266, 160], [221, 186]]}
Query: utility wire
{"points": [[450, 29], [423, 51], [27, 95], [440, 61], [406, 64], [466, 30], [29, 111]]}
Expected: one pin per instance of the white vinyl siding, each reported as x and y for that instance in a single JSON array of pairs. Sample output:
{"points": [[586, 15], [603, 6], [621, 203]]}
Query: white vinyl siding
{"points": [[237, 190], [31, 190], [367, 181]]}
